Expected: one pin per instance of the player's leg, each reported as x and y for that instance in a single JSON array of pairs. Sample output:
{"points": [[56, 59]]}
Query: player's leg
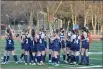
{"points": [[22, 54], [26, 57], [50, 55], [56, 53], [82, 55], [14, 56], [68, 54], [34, 58], [42, 57], [77, 56], [87, 57], [30, 57], [72, 57], [38, 57]]}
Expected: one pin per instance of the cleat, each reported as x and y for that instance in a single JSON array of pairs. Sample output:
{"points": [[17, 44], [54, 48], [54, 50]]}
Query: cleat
{"points": [[29, 63], [3, 63], [71, 63], [39, 63], [25, 63], [34, 64], [16, 62], [50, 61], [57, 65], [65, 61]]}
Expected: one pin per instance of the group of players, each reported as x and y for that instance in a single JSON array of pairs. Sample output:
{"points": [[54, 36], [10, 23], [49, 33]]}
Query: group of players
{"points": [[35, 46]]}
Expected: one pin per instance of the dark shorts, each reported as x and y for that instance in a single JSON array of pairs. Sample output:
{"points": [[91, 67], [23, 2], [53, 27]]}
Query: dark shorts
{"points": [[68, 44], [9, 48], [85, 46], [75, 47], [41, 47], [33, 49], [26, 48], [56, 49]]}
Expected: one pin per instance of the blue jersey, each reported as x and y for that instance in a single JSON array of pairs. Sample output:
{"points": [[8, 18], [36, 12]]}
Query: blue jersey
{"points": [[85, 43], [41, 40], [27, 41], [32, 44], [75, 44], [56, 44], [9, 42]]}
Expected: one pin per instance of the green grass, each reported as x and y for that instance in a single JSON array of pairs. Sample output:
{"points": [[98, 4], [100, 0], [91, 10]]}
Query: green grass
{"points": [[95, 59]]}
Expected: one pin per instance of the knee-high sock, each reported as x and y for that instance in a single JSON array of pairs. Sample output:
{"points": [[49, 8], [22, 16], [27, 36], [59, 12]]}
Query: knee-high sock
{"points": [[34, 57], [26, 58], [30, 58], [53, 59], [64, 56], [22, 55], [58, 58], [68, 57], [82, 59], [49, 56], [15, 58], [72, 58], [87, 59], [38, 59], [77, 59], [42, 57], [4, 59]]}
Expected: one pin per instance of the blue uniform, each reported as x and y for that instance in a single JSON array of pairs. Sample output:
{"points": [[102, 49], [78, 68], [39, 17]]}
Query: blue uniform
{"points": [[85, 43], [62, 40], [75, 44], [27, 43], [33, 45], [9, 44], [68, 43], [41, 44], [56, 45]]}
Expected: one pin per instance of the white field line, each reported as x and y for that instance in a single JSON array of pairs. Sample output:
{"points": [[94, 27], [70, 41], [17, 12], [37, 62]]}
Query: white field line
{"points": [[88, 66]]}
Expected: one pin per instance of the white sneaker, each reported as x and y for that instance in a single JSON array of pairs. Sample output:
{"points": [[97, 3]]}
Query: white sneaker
{"points": [[34, 64], [25, 63], [74, 62], [39, 63], [16, 62], [3, 63], [57, 65], [29, 63], [65, 61], [50, 61], [71, 63]]}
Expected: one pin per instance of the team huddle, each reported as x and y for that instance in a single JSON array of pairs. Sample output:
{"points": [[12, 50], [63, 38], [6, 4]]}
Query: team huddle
{"points": [[35, 46]]}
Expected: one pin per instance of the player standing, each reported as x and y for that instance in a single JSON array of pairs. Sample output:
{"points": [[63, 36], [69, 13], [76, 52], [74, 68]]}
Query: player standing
{"points": [[9, 49]]}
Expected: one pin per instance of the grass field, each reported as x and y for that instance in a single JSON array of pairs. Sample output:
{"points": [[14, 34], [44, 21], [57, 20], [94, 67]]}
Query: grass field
{"points": [[95, 53]]}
